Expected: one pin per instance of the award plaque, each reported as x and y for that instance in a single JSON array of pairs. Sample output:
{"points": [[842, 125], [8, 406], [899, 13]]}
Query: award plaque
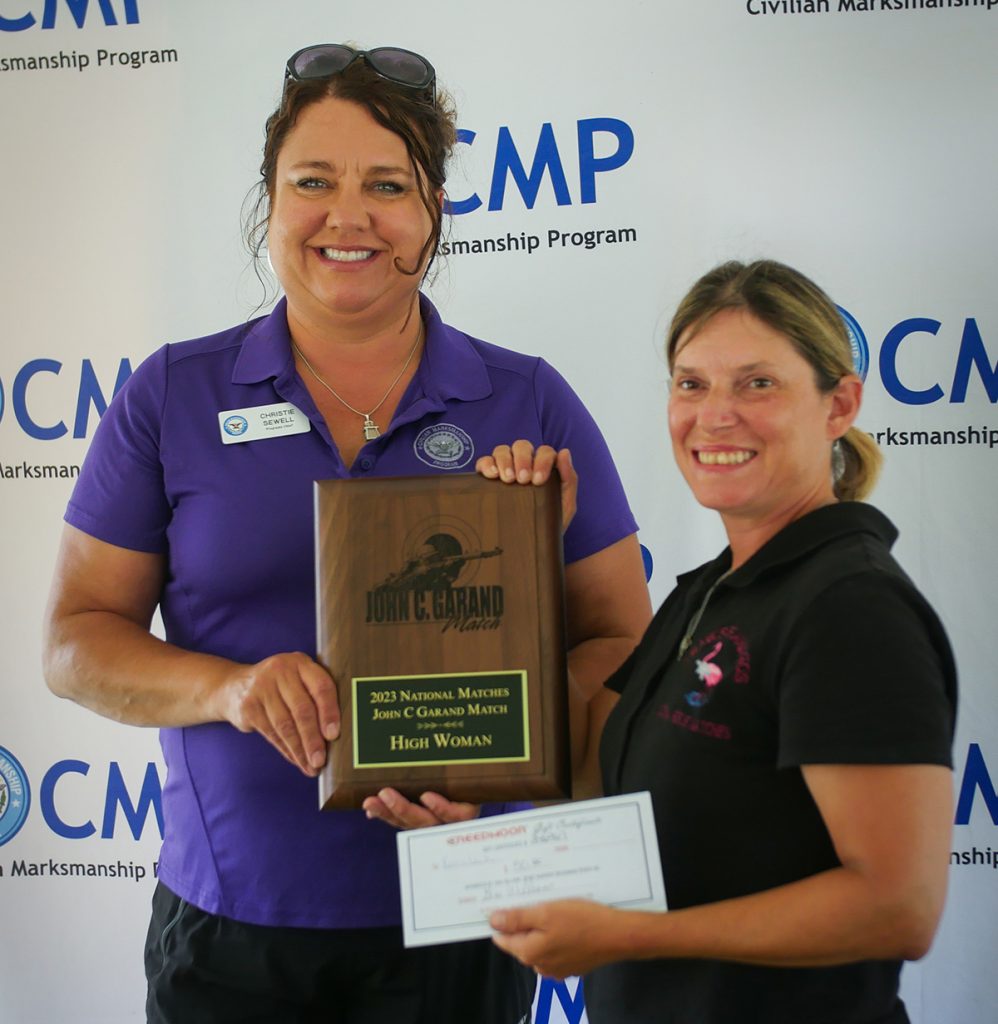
{"points": [[440, 606]]}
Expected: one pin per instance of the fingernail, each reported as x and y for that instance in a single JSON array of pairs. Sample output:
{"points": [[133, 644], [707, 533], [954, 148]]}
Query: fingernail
{"points": [[332, 731], [524, 476], [538, 477], [318, 759], [508, 474]]}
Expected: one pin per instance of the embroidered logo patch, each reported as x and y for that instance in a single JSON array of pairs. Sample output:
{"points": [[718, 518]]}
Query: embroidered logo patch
{"points": [[709, 674], [444, 446], [722, 654]]}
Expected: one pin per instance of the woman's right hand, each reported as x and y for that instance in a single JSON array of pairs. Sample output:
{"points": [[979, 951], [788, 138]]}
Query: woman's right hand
{"points": [[290, 700], [99, 652], [521, 463]]}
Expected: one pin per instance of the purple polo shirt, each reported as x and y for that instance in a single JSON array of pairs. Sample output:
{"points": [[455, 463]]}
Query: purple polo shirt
{"points": [[244, 837]]}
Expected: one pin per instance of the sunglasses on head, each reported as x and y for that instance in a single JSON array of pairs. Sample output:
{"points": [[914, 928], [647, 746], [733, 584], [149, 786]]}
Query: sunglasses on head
{"points": [[403, 67]]}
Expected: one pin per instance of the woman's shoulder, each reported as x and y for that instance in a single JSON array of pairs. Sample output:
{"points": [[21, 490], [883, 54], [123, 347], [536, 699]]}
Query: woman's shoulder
{"points": [[494, 356], [832, 542], [455, 343], [835, 565], [214, 354], [229, 340], [854, 578]]}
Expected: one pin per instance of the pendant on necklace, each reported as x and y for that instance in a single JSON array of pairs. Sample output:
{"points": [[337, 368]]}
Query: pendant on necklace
{"points": [[370, 428]]}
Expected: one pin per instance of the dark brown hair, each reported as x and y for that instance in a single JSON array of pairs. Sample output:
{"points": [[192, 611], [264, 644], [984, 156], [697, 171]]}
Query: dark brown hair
{"points": [[789, 302]]}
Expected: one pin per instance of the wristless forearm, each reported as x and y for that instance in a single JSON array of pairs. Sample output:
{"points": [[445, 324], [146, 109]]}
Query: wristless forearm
{"points": [[832, 918], [115, 667]]}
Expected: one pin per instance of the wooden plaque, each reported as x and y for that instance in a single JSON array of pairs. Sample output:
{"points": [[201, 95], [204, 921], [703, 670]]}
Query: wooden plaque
{"points": [[441, 617]]}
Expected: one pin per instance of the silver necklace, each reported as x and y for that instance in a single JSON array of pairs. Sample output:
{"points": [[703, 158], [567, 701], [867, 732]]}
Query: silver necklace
{"points": [[370, 427], [684, 644]]}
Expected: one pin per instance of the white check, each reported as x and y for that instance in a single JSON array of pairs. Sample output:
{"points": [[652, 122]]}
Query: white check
{"points": [[454, 876]]}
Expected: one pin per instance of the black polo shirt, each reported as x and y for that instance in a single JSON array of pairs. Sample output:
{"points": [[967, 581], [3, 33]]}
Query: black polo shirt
{"points": [[818, 650]]}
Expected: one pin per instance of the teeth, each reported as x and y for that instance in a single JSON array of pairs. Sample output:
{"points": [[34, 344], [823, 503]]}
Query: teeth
{"points": [[347, 255], [724, 458]]}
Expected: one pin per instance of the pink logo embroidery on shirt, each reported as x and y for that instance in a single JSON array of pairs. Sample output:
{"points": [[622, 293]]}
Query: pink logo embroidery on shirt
{"points": [[691, 723], [707, 670], [726, 647]]}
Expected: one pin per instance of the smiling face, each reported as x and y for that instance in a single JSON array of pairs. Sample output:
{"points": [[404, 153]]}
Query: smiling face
{"points": [[750, 430], [345, 215]]}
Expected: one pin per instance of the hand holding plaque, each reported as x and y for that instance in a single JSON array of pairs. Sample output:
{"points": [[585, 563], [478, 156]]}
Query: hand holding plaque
{"points": [[441, 618]]}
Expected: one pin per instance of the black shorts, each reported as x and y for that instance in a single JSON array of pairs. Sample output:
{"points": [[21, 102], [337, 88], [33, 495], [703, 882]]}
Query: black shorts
{"points": [[210, 969]]}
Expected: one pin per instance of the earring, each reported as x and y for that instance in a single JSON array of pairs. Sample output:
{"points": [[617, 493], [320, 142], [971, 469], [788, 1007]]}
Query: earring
{"points": [[838, 460]]}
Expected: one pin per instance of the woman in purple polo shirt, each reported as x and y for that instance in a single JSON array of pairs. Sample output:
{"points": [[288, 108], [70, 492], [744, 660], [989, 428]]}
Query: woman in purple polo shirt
{"points": [[196, 498]]}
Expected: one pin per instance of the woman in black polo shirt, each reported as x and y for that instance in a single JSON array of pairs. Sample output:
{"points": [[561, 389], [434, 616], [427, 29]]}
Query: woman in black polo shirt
{"points": [[791, 707]]}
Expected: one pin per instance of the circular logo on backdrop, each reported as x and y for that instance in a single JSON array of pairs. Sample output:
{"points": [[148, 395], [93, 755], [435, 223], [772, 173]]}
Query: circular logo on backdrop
{"points": [[857, 342], [15, 796], [444, 446], [234, 425], [1, 401]]}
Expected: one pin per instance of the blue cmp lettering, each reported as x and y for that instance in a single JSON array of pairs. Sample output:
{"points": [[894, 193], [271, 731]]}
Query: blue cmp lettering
{"points": [[16, 24], [589, 164], [89, 396], [572, 1008], [78, 9], [888, 362], [546, 162], [546, 157], [455, 207], [972, 355], [116, 796], [975, 780], [46, 798]]}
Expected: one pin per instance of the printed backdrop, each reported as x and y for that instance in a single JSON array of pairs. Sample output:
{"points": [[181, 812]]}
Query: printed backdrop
{"points": [[610, 154]]}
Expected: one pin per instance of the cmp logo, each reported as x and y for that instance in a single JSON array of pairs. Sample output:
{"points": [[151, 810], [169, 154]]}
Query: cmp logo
{"points": [[235, 426], [974, 368], [857, 342], [444, 446], [610, 136], [15, 796], [53, 13], [42, 385]]}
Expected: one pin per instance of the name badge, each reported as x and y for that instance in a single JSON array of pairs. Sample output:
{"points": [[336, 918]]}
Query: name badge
{"points": [[262, 421]]}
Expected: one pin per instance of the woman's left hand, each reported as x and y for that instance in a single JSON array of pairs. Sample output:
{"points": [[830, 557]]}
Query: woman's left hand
{"points": [[521, 463], [561, 938], [433, 809]]}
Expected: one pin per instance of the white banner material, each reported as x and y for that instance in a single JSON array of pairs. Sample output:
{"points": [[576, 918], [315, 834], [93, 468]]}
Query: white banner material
{"points": [[609, 154]]}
